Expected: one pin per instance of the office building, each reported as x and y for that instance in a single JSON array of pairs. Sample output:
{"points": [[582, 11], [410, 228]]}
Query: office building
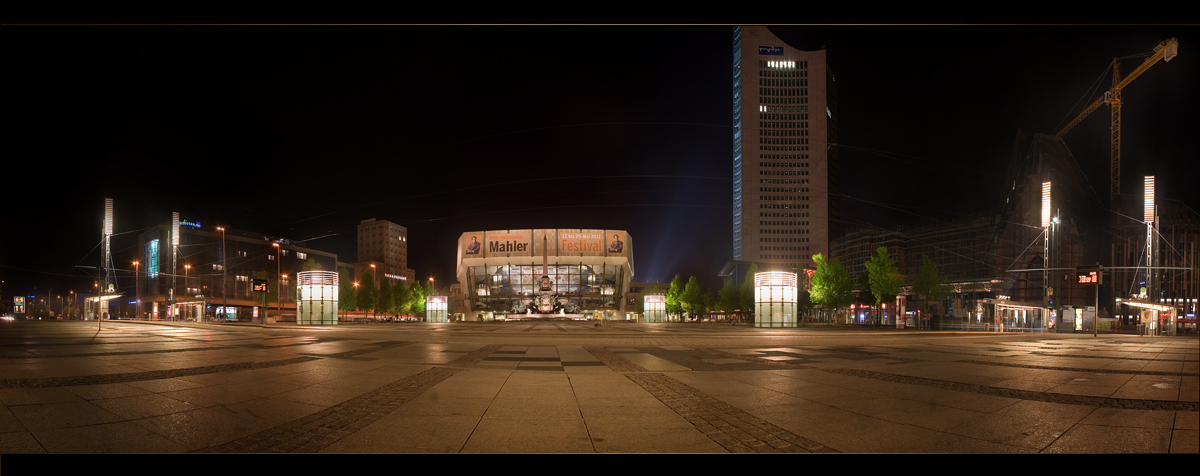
{"points": [[384, 245], [784, 172]]}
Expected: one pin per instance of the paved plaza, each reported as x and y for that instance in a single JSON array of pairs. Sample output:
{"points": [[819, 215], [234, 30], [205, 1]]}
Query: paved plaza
{"points": [[563, 387]]}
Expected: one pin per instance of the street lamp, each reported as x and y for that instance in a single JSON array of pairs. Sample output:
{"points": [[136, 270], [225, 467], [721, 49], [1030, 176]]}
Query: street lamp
{"points": [[355, 304], [225, 308], [186, 286], [278, 279], [137, 291]]}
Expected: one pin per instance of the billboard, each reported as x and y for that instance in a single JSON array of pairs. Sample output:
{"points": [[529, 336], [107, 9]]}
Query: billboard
{"points": [[528, 243], [152, 259], [584, 242], [500, 243]]}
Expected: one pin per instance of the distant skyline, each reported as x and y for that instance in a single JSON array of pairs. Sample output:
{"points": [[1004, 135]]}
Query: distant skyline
{"points": [[301, 132]]}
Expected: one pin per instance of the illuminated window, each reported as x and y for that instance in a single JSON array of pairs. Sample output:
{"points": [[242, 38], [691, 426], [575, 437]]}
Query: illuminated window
{"points": [[300, 255]]}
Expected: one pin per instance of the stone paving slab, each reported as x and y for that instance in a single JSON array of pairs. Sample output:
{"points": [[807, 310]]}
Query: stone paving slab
{"points": [[565, 387]]}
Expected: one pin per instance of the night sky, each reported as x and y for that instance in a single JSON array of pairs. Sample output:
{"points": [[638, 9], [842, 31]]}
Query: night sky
{"points": [[303, 131]]}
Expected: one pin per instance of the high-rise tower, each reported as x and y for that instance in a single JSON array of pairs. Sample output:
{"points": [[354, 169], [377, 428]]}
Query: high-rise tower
{"points": [[784, 168]]}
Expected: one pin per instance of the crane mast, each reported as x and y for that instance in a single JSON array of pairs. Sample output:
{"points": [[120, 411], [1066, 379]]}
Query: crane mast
{"points": [[1163, 51]]}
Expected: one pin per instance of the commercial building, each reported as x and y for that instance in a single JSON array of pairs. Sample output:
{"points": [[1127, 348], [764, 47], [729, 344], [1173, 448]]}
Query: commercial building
{"points": [[784, 172], [186, 276], [383, 252], [584, 271]]}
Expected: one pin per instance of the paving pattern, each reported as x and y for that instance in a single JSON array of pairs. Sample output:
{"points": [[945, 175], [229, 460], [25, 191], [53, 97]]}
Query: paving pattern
{"points": [[326, 427], [307, 390], [148, 375]]}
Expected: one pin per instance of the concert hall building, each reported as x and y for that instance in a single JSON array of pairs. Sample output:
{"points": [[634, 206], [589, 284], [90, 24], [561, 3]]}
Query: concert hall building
{"points": [[500, 271]]}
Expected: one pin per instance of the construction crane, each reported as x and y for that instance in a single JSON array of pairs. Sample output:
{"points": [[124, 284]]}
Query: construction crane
{"points": [[1165, 51]]}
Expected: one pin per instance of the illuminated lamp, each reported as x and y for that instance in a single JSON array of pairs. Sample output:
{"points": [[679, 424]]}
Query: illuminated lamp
{"points": [[1045, 204], [1148, 209]]}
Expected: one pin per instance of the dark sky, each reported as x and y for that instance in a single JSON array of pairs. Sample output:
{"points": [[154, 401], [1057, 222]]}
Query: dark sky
{"points": [[303, 131]]}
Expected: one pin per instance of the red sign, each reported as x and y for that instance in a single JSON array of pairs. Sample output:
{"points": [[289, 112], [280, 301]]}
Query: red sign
{"points": [[1088, 277]]}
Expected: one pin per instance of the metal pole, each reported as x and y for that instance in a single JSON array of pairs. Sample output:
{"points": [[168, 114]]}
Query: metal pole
{"points": [[224, 291], [1096, 319]]}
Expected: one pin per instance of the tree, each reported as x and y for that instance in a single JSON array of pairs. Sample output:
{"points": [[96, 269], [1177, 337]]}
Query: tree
{"points": [[674, 306], [416, 298], [347, 297], [693, 297], [727, 297], [746, 294], [711, 302], [928, 284], [368, 296], [312, 265], [831, 285], [400, 298], [385, 297], [884, 279]]}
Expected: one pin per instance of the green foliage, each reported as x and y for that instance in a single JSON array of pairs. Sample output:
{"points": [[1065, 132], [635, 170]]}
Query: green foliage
{"points": [[385, 297], [746, 296], [711, 301], [674, 295], [885, 279], [368, 296], [416, 298], [400, 304], [693, 297], [727, 297], [312, 265], [347, 297], [831, 286]]}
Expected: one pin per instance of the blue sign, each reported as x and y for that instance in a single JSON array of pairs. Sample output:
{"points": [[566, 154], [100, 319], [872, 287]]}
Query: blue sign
{"points": [[192, 224], [770, 50]]}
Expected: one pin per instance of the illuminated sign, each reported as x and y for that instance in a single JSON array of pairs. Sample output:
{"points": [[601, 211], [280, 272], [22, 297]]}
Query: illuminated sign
{"points": [[19, 304], [192, 224], [260, 285], [152, 259], [580, 242], [1088, 277], [770, 50], [508, 241]]}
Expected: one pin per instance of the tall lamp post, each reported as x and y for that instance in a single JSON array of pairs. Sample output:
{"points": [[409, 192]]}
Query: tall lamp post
{"points": [[186, 289], [137, 291], [224, 293], [375, 291], [279, 280]]}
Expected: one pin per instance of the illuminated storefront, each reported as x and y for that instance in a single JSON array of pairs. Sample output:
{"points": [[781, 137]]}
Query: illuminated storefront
{"points": [[581, 272]]}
